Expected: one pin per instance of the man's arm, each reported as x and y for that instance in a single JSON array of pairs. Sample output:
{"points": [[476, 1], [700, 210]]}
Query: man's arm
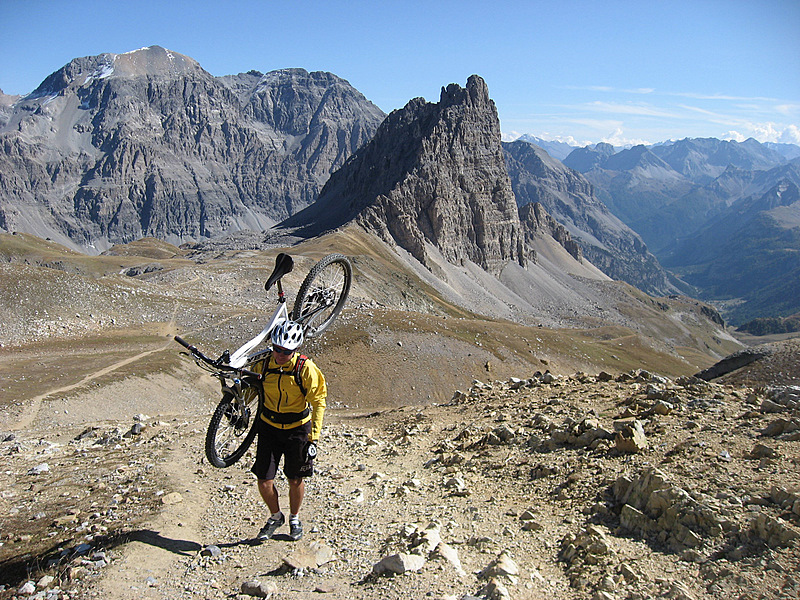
{"points": [[316, 394]]}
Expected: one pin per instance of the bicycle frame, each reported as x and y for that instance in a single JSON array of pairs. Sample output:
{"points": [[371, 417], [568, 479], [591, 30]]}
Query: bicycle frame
{"points": [[219, 368], [324, 299], [239, 358], [284, 264]]}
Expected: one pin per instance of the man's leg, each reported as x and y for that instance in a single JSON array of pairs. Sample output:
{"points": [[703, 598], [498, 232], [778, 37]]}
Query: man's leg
{"points": [[269, 493], [297, 491]]}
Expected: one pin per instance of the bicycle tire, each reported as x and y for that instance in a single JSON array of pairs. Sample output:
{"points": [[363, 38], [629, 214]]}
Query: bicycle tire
{"points": [[323, 294], [233, 425]]}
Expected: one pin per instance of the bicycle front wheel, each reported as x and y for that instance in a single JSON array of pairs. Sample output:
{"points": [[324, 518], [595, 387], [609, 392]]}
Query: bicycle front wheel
{"points": [[232, 427], [323, 294]]}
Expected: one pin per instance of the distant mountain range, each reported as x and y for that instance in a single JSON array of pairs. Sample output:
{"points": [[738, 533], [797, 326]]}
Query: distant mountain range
{"points": [[112, 148], [560, 150], [603, 238], [722, 215], [556, 149]]}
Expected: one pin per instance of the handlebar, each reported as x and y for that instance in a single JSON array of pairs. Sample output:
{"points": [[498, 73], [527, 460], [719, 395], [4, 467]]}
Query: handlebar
{"points": [[217, 364], [186, 344]]}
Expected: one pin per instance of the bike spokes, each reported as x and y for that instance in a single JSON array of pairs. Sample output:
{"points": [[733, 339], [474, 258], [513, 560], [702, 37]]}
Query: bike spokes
{"points": [[323, 293], [232, 430]]}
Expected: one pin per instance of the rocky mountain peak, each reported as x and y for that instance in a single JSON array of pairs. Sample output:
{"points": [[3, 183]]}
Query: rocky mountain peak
{"points": [[785, 193], [476, 93], [6, 102], [154, 61], [433, 175], [114, 147], [296, 101], [637, 157], [586, 158]]}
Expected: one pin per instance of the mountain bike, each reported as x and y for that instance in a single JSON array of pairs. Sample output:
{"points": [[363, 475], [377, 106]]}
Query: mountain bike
{"points": [[319, 301]]}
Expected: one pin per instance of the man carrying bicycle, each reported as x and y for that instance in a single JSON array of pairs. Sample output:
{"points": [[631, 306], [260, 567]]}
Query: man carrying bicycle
{"points": [[290, 425]]}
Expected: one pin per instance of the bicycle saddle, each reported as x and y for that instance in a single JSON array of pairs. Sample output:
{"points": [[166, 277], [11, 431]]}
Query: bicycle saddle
{"points": [[283, 265]]}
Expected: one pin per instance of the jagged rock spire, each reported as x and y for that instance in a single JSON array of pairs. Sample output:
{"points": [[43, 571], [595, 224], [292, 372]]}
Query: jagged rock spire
{"points": [[434, 174]]}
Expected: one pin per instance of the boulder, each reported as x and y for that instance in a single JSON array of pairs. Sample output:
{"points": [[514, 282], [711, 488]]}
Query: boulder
{"points": [[503, 568], [397, 564], [775, 532], [258, 589], [630, 437], [450, 554]]}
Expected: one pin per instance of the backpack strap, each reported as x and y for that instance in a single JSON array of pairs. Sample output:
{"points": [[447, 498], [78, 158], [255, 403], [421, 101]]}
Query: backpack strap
{"points": [[298, 367]]}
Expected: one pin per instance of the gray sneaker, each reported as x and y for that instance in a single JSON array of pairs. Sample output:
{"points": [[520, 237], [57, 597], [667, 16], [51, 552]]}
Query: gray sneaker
{"points": [[268, 530], [295, 530]]}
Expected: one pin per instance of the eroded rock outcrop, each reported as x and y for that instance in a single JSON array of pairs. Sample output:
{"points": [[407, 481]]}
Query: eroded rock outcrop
{"points": [[433, 175], [536, 221]]}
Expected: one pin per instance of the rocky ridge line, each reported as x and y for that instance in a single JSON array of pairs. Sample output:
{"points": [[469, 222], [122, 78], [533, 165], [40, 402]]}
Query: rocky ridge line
{"points": [[113, 148]]}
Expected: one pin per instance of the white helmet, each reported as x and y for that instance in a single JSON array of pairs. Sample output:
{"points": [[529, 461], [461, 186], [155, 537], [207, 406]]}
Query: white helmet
{"points": [[288, 335]]}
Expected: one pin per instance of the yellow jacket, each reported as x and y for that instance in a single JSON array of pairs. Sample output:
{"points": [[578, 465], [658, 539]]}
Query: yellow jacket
{"points": [[283, 395]]}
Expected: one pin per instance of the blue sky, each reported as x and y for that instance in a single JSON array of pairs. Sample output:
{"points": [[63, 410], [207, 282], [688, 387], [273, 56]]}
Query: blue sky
{"points": [[605, 70]]}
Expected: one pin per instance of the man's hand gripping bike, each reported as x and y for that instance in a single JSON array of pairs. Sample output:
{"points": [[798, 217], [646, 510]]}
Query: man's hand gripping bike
{"points": [[318, 303]]}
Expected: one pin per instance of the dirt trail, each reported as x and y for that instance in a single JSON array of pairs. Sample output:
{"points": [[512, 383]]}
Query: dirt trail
{"points": [[176, 531], [31, 408]]}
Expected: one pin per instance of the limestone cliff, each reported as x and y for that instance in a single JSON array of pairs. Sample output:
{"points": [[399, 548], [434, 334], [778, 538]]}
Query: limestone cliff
{"points": [[115, 147], [433, 174]]}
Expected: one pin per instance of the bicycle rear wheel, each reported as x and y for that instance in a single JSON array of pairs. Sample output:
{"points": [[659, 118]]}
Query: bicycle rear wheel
{"points": [[323, 294], [232, 426]]}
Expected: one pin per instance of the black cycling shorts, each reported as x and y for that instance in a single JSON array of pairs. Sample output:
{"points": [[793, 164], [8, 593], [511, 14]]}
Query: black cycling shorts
{"points": [[291, 444]]}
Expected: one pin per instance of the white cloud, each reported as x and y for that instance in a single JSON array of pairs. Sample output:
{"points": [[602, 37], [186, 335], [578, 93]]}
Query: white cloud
{"points": [[702, 111], [605, 88], [510, 136], [618, 139], [733, 136], [765, 132], [630, 109], [790, 135], [720, 97], [788, 109], [566, 139], [595, 124]]}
